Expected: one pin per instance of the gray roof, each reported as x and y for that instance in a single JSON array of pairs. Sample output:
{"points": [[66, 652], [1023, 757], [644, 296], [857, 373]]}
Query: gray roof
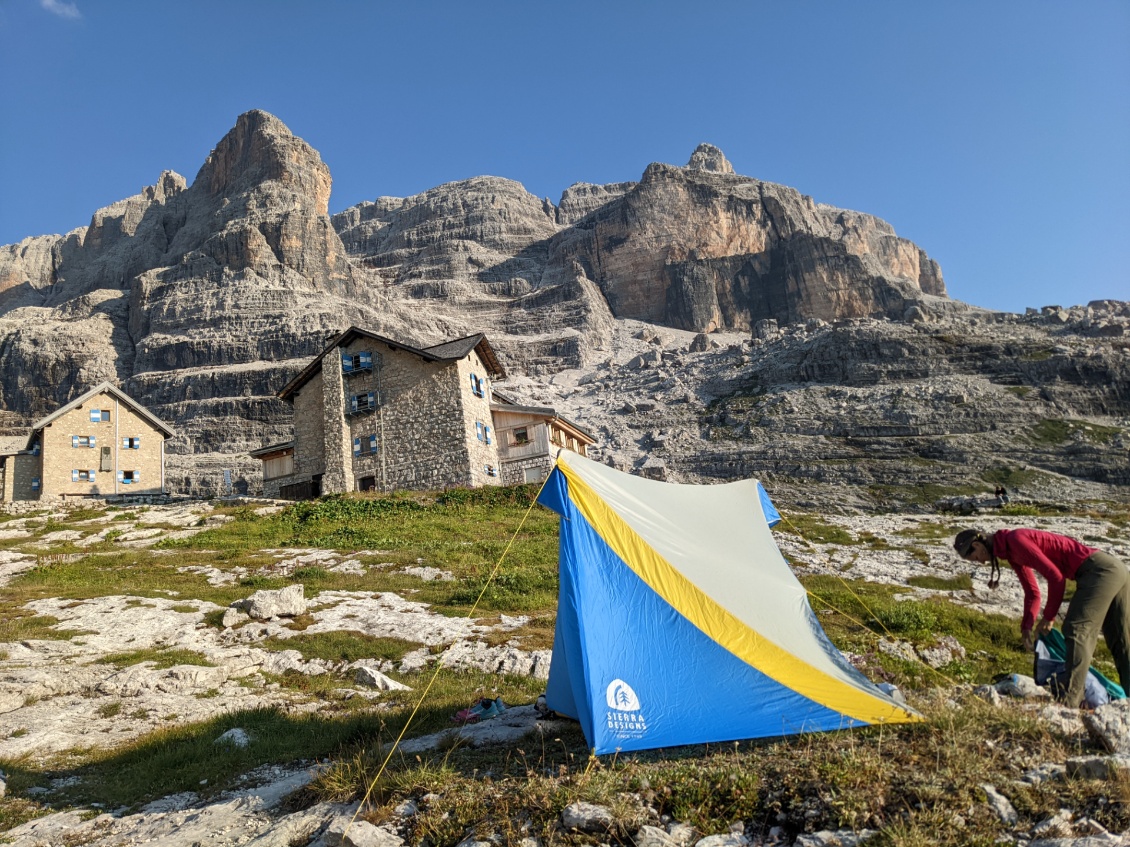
{"points": [[116, 392], [272, 448], [540, 411], [12, 444], [448, 351]]}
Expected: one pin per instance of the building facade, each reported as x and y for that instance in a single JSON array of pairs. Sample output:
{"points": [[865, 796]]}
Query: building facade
{"points": [[371, 413], [101, 444], [529, 438]]}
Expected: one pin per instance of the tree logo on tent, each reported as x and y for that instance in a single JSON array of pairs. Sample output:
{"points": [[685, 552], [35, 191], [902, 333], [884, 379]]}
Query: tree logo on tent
{"points": [[620, 696], [627, 720]]}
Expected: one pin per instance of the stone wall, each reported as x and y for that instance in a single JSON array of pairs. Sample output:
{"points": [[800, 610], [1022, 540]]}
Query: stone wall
{"points": [[60, 458], [337, 448], [18, 472], [309, 429], [483, 454], [514, 472]]}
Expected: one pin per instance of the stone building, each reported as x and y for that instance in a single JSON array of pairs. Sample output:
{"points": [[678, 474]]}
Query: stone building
{"points": [[371, 413], [101, 444], [529, 438], [374, 414]]}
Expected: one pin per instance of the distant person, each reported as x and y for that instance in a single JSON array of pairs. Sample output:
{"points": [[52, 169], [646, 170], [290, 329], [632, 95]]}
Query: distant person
{"points": [[1003, 495], [997, 492], [1101, 601]]}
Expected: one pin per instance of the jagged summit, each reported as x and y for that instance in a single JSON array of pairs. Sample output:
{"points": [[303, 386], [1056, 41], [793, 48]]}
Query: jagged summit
{"points": [[261, 148], [203, 300], [707, 157]]}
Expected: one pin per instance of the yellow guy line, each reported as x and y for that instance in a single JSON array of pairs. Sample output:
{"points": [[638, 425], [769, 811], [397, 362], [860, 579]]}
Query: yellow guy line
{"points": [[859, 599], [439, 666]]}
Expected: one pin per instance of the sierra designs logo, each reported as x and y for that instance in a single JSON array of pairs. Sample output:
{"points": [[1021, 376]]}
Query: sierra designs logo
{"points": [[626, 720]]}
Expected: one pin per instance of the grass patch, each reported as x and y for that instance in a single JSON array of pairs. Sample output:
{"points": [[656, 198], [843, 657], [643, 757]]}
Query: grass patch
{"points": [[18, 624], [1056, 431], [811, 528], [961, 582], [343, 646], [159, 657]]}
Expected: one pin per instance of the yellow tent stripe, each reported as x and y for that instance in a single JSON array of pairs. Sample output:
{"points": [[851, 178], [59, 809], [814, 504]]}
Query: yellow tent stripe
{"points": [[720, 624]]}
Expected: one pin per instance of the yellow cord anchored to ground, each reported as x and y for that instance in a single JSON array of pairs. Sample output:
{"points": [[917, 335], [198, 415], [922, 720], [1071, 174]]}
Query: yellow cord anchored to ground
{"points": [[439, 666]]}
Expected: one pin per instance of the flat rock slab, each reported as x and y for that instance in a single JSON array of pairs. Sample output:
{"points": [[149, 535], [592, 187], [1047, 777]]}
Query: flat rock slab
{"points": [[512, 725]]}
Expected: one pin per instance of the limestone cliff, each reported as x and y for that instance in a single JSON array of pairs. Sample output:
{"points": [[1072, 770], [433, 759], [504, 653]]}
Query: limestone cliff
{"points": [[202, 300]]}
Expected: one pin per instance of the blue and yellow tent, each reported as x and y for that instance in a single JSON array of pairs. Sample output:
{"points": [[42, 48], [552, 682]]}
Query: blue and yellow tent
{"points": [[679, 621]]}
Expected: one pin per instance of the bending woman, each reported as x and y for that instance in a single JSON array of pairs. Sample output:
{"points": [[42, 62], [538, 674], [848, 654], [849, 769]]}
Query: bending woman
{"points": [[1101, 601]]}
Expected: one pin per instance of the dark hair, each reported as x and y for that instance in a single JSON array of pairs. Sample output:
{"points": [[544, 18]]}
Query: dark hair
{"points": [[963, 544]]}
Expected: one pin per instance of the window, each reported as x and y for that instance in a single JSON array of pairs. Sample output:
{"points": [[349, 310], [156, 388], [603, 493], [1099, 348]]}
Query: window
{"points": [[99, 415], [486, 434], [477, 386], [131, 443], [83, 476], [490, 470], [479, 430], [83, 441], [521, 435], [365, 445], [356, 362], [128, 477], [363, 402], [367, 483]]}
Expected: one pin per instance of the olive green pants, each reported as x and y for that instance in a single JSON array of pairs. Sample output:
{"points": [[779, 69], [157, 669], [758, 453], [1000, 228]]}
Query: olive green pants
{"points": [[1101, 603]]}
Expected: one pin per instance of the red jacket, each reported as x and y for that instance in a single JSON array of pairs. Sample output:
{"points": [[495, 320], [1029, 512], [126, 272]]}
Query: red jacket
{"points": [[1057, 557]]}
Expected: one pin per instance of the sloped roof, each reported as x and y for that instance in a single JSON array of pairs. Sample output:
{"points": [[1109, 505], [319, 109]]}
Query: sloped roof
{"points": [[115, 392], [272, 448], [508, 405], [448, 351], [12, 444]]}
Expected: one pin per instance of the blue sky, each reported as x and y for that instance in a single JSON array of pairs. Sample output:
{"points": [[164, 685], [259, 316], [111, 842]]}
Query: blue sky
{"points": [[996, 135]]}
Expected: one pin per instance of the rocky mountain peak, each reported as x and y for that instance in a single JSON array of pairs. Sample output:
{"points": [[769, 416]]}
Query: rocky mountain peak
{"points": [[707, 157], [169, 184], [259, 149]]}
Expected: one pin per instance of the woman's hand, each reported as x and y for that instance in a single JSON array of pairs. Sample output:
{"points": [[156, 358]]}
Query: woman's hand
{"points": [[1029, 641], [1043, 627]]}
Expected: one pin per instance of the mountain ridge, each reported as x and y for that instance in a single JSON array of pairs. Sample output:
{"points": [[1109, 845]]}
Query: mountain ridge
{"points": [[202, 300]]}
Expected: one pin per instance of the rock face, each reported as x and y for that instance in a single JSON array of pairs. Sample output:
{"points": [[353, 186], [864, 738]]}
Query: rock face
{"points": [[202, 300]]}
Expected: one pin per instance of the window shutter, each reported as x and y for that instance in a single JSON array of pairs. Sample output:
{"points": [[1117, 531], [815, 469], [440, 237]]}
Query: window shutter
{"points": [[486, 432], [372, 443], [121, 476], [372, 400], [353, 404], [92, 440], [346, 363], [74, 441], [356, 446], [366, 359], [93, 474], [137, 443], [94, 415], [479, 430], [136, 476], [74, 476], [35, 483]]}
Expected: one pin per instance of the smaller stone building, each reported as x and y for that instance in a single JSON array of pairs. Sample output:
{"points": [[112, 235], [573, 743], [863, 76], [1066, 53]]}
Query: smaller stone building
{"points": [[101, 444], [529, 438]]}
